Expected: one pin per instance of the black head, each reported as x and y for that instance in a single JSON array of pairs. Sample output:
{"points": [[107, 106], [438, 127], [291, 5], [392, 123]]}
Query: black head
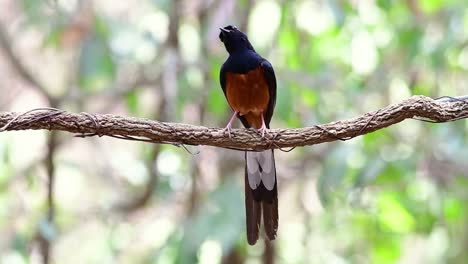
{"points": [[234, 40]]}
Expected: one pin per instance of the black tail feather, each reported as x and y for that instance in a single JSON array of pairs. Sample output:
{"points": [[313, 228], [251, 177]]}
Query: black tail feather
{"points": [[270, 218], [253, 213], [258, 202]]}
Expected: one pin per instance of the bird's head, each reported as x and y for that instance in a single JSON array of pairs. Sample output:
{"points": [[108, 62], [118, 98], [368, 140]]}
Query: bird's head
{"points": [[234, 40]]}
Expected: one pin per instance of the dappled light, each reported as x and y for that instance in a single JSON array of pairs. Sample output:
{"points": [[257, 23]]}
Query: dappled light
{"points": [[137, 169]]}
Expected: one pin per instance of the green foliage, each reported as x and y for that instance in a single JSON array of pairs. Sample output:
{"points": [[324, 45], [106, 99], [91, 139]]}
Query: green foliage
{"points": [[132, 102], [219, 218], [390, 196], [96, 65]]}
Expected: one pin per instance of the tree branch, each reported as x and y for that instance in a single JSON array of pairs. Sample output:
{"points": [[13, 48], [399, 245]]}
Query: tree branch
{"points": [[140, 129]]}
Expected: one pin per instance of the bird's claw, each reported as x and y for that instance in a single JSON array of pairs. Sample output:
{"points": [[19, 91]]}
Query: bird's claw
{"points": [[228, 128], [263, 130]]}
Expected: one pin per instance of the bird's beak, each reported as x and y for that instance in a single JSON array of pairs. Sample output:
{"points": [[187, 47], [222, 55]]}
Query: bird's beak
{"points": [[224, 30]]}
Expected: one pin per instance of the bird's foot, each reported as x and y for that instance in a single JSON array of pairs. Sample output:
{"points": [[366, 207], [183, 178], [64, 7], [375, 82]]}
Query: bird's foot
{"points": [[263, 130], [229, 125], [228, 128]]}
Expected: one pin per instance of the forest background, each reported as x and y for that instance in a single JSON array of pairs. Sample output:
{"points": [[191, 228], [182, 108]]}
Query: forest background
{"points": [[398, 195]]}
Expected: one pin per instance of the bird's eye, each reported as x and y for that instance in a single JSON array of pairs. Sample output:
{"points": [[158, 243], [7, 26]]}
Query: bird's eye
{"points": [[243, 39]]}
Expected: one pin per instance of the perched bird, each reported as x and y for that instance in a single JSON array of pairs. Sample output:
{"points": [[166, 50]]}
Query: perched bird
{"points": [[249, 84]]}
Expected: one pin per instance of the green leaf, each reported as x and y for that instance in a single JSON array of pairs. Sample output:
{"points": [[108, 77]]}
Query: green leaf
{"points": [[386, 250], [390, 174], [431, 6], [289, 42], [309, 97], [132, 102], [409, 40], [216, 102], [283, 104], [393, 216], [453, 209]]}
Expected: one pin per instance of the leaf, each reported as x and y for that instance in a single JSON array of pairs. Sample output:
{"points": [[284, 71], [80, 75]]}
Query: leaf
{"points": [[393, 216], [216, 102], [453, 209], [431, 6], [373, 141], [390, 174], [310, 97], [386, 250], [283, 104], [132, 102], [409, 41], [289, 42]]}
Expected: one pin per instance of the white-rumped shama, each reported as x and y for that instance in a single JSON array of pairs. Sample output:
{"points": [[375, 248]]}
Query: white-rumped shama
{"points": [[249, 84]]}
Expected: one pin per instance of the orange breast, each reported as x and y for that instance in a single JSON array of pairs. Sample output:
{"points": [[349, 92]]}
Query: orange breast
{"points": [[248, 94]]}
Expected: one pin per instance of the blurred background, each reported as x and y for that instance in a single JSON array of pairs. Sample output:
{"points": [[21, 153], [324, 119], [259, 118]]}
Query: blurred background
{"points": [[398, 195]]}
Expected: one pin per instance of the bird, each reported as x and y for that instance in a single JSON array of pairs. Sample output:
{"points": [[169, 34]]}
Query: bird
{"points": [[249, 85]]}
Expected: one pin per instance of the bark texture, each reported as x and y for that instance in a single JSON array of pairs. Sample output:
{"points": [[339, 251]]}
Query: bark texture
{"points": [[131, 128]]}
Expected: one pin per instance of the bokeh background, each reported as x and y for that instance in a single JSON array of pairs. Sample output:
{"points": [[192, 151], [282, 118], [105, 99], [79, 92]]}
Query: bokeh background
{"points": [[398, 195]]}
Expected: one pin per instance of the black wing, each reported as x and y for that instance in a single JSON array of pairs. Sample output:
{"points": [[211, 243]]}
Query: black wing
{"points": [[270, 78], [222, 78]]}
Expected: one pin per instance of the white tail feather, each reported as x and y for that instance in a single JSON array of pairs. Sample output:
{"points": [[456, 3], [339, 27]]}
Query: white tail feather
{"points": [[253, 172], [265, 160]]}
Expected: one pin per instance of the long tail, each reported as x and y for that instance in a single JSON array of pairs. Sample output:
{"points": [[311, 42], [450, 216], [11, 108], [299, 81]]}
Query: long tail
{"points": [[261, 194]]}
